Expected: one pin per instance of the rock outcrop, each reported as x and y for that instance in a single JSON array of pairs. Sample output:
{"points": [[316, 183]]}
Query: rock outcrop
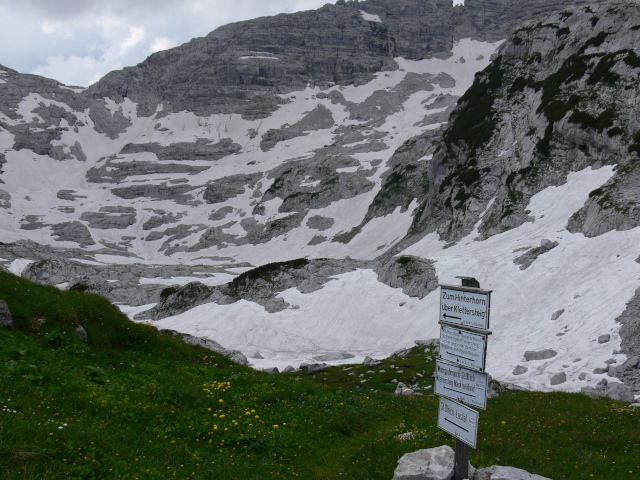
{"points": [[6, 319], [212, 345]]}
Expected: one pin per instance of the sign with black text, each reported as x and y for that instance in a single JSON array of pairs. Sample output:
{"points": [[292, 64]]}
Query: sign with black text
{"points": [[461, 384], [458, 420], [465, 306], [462, 347]]}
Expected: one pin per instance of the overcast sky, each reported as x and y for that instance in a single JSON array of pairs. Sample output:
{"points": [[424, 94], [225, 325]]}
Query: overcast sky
{"points": [[79, 41]]}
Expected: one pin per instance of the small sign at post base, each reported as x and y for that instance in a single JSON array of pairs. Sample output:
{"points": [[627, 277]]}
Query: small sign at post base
{"points": [[458, 420]]}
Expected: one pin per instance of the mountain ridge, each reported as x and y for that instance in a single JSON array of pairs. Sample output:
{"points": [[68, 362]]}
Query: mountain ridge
{"points": [[449, 161]]}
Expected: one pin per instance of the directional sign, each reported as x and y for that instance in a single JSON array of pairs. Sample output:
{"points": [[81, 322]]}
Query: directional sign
{"points": [[463, 348], [461, 384], [458, 420], [465, 306]]}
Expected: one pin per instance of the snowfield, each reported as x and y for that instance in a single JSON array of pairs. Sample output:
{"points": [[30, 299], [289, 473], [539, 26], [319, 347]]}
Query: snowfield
{"points": [[588, 278]]}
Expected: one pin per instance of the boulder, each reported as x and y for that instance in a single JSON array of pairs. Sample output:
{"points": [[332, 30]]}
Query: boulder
{"points": [[427, 464], [330, 357], [604, 338], [371, 362], [592, 392], [204, 342], [519, 370], [272, 370], [402, 389], [619, 392], [558, 378], [288, 369], [81, 333], [497, 472], [316, 368], [405, 436], [539, 354], [6, 320]]}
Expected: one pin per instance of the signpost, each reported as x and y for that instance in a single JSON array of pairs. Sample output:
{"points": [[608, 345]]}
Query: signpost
{"points": [[458, 420], [468, 307], [460, 377], [462, 347], [461, 384]]}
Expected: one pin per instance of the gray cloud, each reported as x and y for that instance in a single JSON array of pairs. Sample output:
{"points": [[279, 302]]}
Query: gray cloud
{"points": [[78, 41]]}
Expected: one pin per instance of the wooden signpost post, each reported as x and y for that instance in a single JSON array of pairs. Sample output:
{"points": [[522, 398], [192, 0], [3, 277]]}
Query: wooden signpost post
{"points": [[460, 377]]}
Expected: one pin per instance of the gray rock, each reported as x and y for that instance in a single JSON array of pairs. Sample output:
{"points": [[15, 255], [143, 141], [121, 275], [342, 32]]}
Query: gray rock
{"points": [[257, 356], [619, 392], [6, 319], [288, 369], [557, 314], [415, 276], [318, 222], [599, 371], [403, 437], [432, 342], [212, 345], [333, 356], [272, 370], [604, 338], [530, 355], [69, 195], [496, 472], [592, 392], [427, 464], [73, 232], [403, 390], [81, 333], [319, 118], [201, 149], [519, 370], [5, 197], [110, 217], [316, 368], [582, 376], [525, 260], [558, 378], [371, 362]]}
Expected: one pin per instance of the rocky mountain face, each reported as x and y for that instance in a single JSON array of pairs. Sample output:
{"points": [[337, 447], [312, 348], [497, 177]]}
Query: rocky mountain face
{"points": [[560, 97], [362, 147]]}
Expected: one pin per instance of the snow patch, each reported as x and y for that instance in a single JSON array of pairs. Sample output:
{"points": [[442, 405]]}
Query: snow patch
{"points": [[369, 17], [18, 265]]}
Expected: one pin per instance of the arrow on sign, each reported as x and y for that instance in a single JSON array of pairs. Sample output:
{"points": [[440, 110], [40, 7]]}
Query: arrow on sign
{"points": [[454, 423], [451, 316], [458, 356]]}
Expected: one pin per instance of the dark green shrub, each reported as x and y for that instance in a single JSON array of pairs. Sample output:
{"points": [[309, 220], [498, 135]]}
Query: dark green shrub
{"points": [[594, 42], [599, 123], [632, 59], [602, 73], [563, 31], [474, 122], [615, 131]]}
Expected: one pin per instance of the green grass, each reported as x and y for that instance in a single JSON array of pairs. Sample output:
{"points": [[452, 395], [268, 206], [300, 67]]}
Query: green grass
{"points": [[136, 404]]}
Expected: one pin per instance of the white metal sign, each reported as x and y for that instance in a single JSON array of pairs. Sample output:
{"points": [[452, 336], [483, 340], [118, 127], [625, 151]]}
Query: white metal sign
{"points": [[462, 384], [458, 420], [465, 306], [462, 347]]}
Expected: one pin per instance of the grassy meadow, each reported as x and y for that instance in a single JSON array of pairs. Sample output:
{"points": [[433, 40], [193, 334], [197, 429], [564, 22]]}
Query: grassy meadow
{"points": [[132, 403]]}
